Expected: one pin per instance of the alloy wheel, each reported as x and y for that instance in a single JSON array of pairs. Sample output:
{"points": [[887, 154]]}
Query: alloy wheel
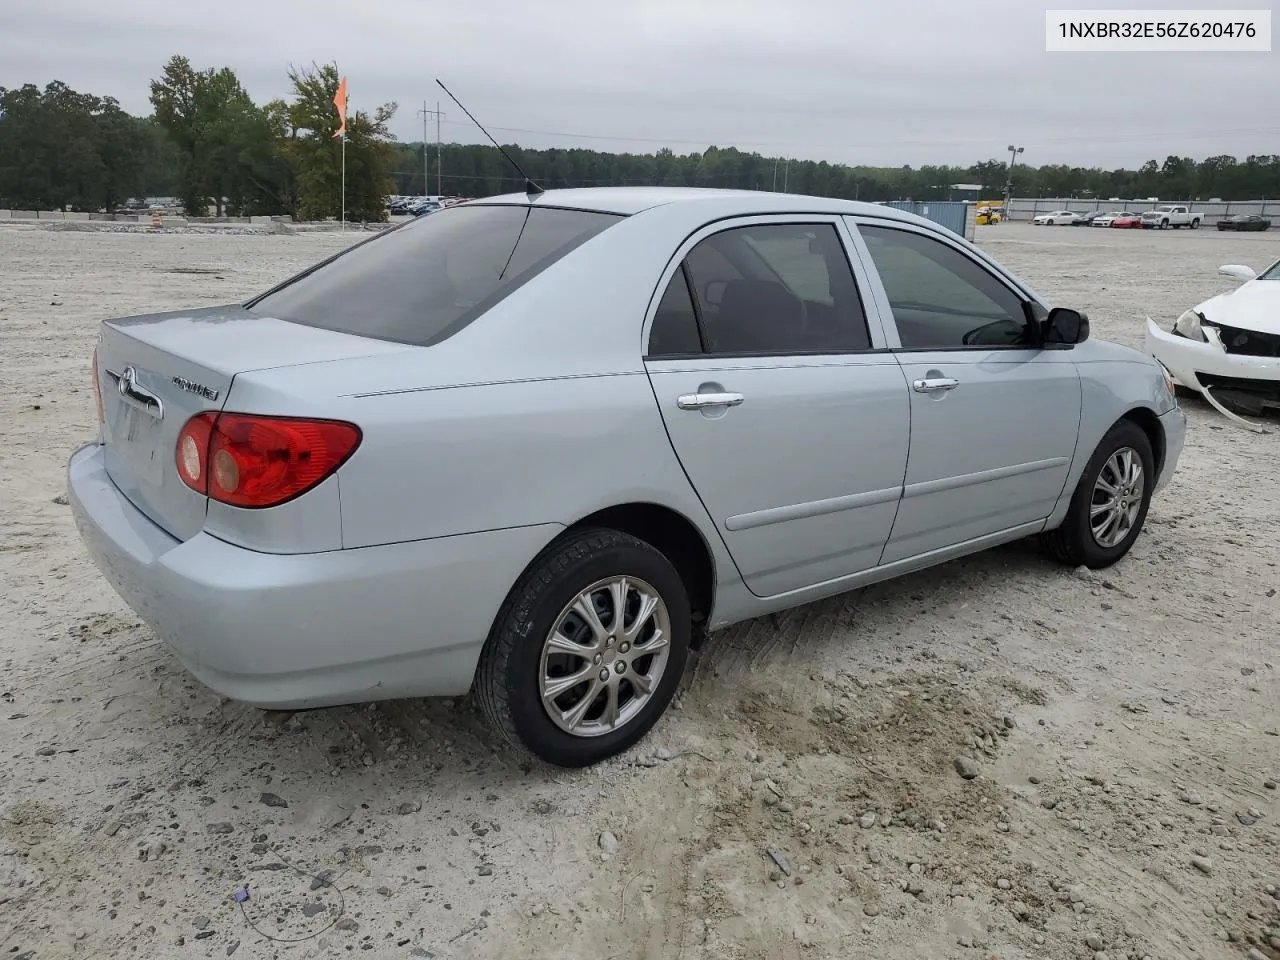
{"points": [[604, 656], [1117, 497]]}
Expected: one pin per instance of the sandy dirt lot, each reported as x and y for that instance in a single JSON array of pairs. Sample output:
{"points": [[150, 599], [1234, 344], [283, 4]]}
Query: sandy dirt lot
{"points": [[801, 800]]}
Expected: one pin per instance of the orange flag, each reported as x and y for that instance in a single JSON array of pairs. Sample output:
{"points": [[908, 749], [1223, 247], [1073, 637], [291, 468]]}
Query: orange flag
{"points": [[340, 101]]}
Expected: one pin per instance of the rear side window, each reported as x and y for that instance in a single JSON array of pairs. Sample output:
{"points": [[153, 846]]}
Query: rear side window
{"points": [[675, 325], [425, 281], [776, 289]]}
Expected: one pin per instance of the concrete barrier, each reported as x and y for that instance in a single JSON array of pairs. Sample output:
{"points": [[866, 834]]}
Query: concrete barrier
{"points": [[50, 215], [76, 215], [172, 221], [6, 214], [260, 221], [23, 214]]}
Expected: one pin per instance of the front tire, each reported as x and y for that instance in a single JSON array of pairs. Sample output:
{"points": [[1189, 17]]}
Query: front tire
{"points": [[1110, 502], [588, 649]]}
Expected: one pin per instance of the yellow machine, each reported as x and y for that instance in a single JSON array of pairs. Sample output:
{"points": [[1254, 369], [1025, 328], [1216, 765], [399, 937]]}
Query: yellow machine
{"points": [[988, 213]]}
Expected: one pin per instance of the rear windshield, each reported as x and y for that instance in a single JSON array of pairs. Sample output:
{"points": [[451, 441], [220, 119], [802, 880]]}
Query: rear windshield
{"points": [[425, 281]]}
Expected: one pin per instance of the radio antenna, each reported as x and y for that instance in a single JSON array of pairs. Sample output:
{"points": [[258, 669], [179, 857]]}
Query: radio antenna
{"points": [[530, 188]]}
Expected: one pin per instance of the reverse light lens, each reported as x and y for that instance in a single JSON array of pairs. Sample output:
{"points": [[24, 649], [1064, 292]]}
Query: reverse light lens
{"points": [[189, 458], [193, 451], [226, 472], [1188, 325], [254, 462]]}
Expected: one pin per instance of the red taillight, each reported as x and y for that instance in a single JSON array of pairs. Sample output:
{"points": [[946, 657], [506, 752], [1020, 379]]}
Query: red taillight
{"points": [[97, 389], [252, 461]]}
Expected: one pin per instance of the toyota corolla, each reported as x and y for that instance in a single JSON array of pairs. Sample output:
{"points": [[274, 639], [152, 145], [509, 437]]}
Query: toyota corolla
{"points": [[535, 446]]}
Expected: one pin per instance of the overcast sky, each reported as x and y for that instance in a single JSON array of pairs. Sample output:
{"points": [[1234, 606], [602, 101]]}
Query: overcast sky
{"points": [[882, 82]]}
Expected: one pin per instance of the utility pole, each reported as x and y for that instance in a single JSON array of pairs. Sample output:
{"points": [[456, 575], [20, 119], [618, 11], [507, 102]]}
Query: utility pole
{"points": [[1008, 187], [426, 112]]}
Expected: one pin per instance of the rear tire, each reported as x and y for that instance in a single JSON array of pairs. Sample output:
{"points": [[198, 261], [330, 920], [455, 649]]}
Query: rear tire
{"points": [[1078, 541], [521, 662], [1195, 224]]}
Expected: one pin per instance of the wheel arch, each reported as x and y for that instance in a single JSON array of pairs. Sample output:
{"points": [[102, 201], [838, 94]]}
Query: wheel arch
{"points": [[1149, 422], [1057, 536], [677, 538], [1095, 426]]}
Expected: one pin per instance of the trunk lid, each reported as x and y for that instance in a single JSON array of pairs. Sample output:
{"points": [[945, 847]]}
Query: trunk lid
{"points": [[157, 371]]}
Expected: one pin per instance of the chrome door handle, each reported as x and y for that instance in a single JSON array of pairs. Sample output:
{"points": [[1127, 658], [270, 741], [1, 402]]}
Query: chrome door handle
{"points": [[699, 401], [935, 385]]}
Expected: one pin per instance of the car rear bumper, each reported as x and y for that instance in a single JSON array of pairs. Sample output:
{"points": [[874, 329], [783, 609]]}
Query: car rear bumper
{"points": [[304, 630], [1191, 360]]}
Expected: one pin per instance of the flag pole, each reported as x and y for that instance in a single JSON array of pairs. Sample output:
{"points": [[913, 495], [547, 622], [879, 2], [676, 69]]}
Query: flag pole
{"points": [[340, 101]]}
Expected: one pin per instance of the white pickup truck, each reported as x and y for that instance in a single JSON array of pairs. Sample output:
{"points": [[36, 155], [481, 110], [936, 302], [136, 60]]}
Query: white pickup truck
{"points": [[1170, 215]]}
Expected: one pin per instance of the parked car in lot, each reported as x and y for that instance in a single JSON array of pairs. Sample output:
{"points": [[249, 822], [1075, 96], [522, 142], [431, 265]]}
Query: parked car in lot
{"points": [[1228, 347], [1244, 221], [1086, 219], [1127, 221], [420, 207], [1056, 218], [1173, 215], [1106, 219], [535, 448]]}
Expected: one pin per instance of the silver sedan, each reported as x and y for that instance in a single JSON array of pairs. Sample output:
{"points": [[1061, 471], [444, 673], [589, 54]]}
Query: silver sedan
{"points": [[535, 447]]}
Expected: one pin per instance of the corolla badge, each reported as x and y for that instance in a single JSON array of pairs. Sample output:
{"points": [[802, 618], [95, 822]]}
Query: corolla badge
{"points": [[182, 383]]}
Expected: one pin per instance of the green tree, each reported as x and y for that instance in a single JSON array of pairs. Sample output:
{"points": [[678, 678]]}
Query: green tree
{"points": [[316, 154], [228, 147], [175, 100], [60, 149]]}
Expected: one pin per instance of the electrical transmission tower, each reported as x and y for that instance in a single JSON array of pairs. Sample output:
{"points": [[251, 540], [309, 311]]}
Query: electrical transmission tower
{"points": [[425, 113]]}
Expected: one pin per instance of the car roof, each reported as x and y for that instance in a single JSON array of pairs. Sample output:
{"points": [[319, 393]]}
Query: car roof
{"points": [[631, 200]]}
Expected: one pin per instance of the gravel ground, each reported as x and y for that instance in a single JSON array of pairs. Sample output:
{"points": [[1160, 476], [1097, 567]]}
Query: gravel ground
{"points": [[803, 799]]}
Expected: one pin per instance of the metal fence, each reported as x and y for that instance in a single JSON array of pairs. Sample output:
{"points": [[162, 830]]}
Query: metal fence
{"points": [[1210, 211], [956, 216]]}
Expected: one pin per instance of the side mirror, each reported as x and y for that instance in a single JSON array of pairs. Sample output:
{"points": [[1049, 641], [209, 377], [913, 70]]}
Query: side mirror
{"points": [[1066, 327], [1237, 271]]}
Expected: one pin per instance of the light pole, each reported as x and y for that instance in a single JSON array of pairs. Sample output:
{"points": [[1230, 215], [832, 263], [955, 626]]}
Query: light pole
{"points": [[1008, 187]]}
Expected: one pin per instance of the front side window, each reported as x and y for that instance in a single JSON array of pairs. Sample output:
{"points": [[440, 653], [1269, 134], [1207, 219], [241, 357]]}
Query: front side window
{"points": [[942, 299], [425, 281], [776, 289]]}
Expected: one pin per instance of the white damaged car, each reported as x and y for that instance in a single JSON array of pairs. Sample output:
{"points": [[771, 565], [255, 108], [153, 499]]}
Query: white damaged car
{"points": [[1228, 348]]}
